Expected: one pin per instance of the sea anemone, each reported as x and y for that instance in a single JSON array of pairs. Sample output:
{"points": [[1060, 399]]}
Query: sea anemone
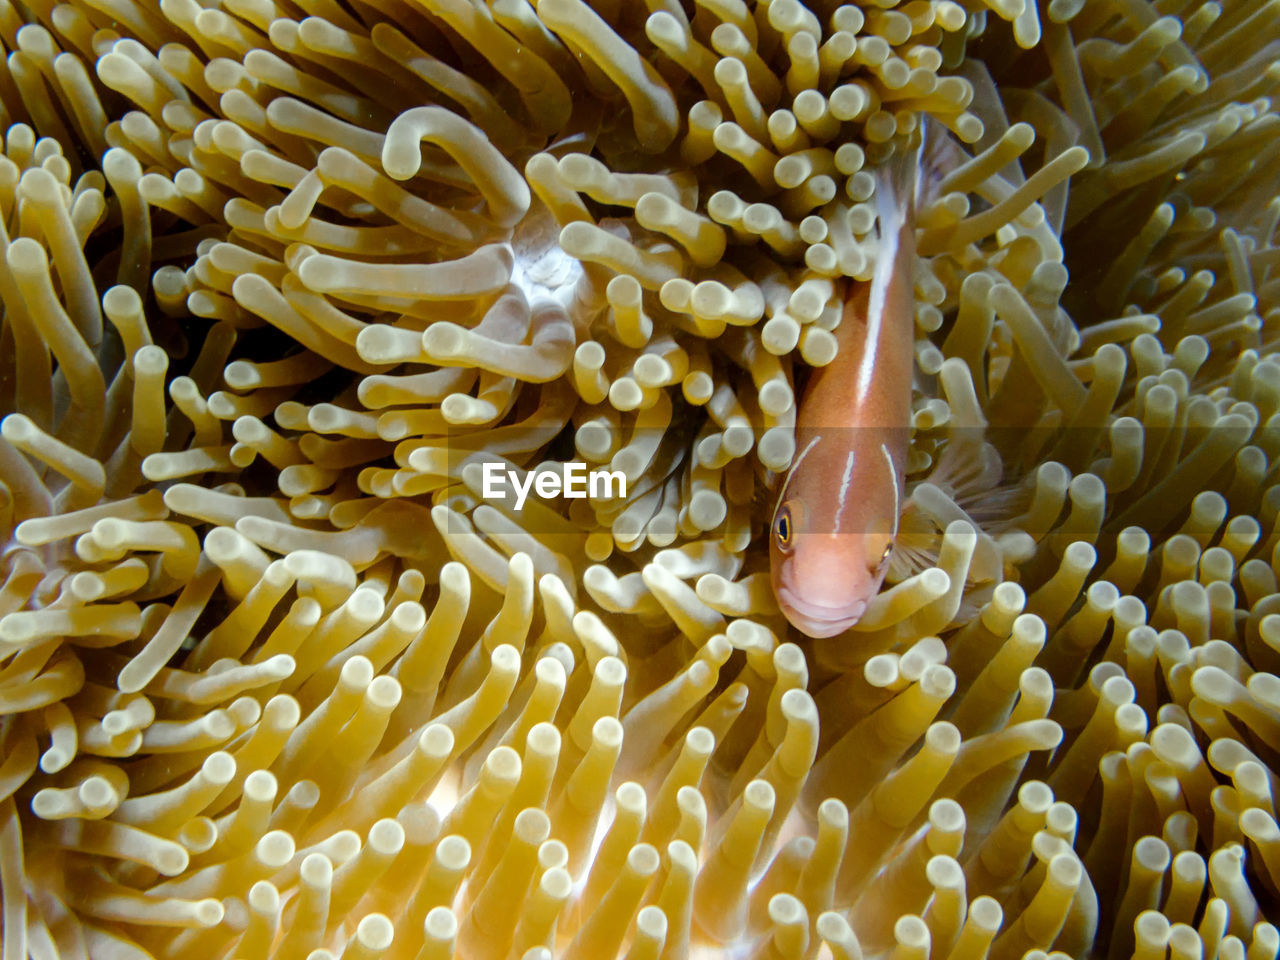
{"points": [[283, 278]]}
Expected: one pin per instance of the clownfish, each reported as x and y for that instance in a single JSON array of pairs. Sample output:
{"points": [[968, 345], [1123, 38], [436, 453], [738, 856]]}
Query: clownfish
{"points": [[838, 507]]}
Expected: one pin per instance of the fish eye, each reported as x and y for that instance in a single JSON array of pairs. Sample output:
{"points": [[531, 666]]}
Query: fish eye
{"points": [[782, 527]]}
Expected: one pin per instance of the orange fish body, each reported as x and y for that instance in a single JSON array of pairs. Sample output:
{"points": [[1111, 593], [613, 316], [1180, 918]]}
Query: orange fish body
{"points": [[838, 507]]}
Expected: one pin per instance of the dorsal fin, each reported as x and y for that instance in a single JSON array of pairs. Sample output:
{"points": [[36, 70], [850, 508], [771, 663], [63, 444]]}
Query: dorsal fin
{"points": [[897, 188], [916, 175], [940, 156]]}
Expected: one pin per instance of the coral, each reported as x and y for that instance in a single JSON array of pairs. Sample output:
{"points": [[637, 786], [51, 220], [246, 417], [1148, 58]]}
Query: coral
{"points": [[280, 278]]}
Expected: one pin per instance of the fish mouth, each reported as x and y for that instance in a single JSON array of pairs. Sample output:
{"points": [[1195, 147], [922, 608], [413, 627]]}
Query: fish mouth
{"points": [[818, 620]]}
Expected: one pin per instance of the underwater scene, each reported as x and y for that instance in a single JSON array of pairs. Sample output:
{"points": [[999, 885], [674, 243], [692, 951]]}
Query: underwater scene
{"points": [[647, 479]]}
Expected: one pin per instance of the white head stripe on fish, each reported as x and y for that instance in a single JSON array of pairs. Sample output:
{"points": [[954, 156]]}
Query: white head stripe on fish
{"points": [[893, 475], [844, 487], [787, 479]]}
